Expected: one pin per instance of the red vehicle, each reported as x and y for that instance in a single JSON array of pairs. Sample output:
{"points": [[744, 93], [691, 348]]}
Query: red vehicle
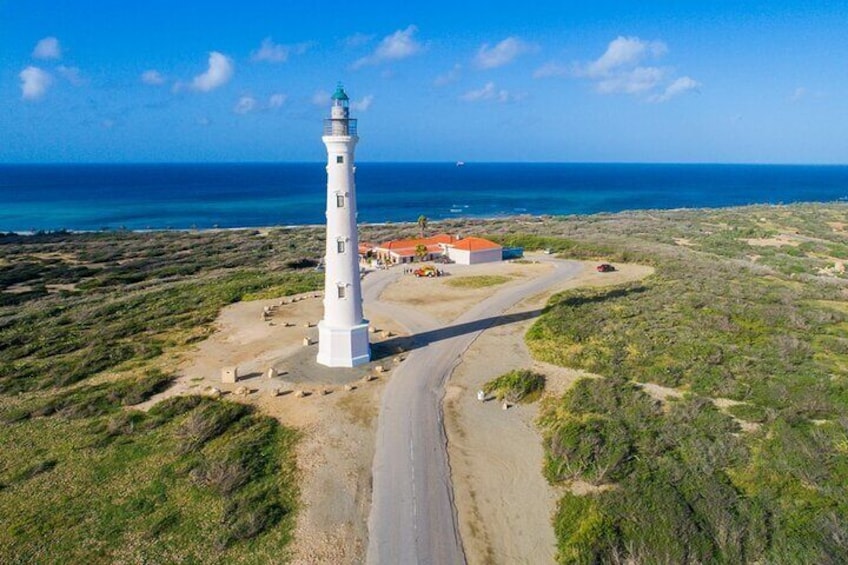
{"points": [[427, 271], [605, 268]]}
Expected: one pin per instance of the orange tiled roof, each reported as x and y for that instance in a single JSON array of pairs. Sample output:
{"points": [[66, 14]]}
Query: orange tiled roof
{"points": [[409, 251], [399, 244], [475, 244]]}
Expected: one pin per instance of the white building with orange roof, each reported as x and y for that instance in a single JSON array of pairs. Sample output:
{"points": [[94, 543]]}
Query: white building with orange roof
{"points": [[406, 250], [463, 251]]}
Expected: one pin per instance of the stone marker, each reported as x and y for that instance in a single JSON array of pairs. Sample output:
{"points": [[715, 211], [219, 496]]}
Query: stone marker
{"points": [[271, 373], [349, 388], [372, 330], [229, 374], [241, 391], [505, 405], [386, 333], [212, 392], [481, 396], [299, 394], [379, 369], [307, 341]]}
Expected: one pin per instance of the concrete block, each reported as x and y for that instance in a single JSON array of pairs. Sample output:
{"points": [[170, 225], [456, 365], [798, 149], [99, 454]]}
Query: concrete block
{"points": [[229, 374]]}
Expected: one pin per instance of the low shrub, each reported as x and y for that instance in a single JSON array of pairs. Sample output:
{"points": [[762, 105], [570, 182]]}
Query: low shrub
{"points": [[207, 422], [516, 386]]}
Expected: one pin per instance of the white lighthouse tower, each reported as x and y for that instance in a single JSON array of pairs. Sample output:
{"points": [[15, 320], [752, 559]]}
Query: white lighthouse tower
{"points": [[343, 333]]}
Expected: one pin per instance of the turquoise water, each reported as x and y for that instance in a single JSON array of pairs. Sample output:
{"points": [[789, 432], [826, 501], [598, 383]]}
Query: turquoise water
{"points": [[179, 196]]}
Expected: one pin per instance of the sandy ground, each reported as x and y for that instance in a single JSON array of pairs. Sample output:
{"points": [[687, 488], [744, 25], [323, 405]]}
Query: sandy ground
{"points": [[336, 417], [445, 302], [503, 502]]}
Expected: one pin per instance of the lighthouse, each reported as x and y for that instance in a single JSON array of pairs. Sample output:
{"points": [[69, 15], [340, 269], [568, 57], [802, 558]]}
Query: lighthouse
{"points": [[343, 333]]}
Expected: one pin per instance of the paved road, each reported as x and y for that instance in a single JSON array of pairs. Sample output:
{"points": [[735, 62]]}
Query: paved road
{"points": [[413, 518]]}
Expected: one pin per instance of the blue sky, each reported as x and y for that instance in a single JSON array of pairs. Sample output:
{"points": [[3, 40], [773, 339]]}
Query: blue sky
{"points": [[161, 81]]}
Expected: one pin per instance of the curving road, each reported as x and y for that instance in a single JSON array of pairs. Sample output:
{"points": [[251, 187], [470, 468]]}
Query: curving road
{"points": [[413, 518]]}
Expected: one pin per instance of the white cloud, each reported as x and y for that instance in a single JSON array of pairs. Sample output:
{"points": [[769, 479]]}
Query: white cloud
{"points": [[488, 92], [220, 71], [271, 52], [357, 40], [245, 105], [34, 83], [501, 54], [634, 81], [399, 45], [363, 104], [553, 69], [71, 74], [450, 76], [152, 77], [676, 88], [321, 98], [620, 69], [624, 52], [47, 48], [276, 100]]}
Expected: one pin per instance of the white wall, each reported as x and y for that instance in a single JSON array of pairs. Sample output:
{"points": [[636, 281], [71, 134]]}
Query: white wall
{"points": [[463, 257]]}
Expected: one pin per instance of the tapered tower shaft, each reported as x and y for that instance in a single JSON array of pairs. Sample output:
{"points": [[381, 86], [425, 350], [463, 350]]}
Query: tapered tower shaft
{"points": [[343, 333]]}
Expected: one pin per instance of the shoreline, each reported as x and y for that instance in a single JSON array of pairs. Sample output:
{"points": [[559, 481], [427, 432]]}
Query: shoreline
{"points": [[430, 222]]}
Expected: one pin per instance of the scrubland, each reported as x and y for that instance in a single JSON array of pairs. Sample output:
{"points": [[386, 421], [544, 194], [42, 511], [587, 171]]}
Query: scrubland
{"points": [[718, 431]]}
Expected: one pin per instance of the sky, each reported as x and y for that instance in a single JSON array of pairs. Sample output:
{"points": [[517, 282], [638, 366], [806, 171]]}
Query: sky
{"points": [[551, 81]]}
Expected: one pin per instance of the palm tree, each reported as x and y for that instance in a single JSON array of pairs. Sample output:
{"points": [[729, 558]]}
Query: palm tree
{"points": [[420, 251], [422, 223]]}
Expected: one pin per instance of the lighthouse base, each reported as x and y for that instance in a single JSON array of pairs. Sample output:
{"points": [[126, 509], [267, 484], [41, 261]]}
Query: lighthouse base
{"points": [[343, 347]]}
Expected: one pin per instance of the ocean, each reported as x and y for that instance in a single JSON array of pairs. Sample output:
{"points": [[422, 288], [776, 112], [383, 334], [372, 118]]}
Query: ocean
{"points": [[188, 196]]}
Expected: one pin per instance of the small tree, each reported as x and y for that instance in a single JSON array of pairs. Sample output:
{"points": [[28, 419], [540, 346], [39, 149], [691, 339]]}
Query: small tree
{"points": [[420, 251], [422, 224]]}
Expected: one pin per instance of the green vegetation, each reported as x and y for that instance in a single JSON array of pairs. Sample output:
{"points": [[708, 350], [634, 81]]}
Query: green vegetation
{"points": [[731, 312], [87, 321], [520, 385], [192, 480], [686, 487], [421, 251], [747, 304], [138, 299], [477, 281]]}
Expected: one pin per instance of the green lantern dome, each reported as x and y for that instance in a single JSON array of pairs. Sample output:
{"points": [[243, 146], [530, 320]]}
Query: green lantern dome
{"points": [[340, 94]]}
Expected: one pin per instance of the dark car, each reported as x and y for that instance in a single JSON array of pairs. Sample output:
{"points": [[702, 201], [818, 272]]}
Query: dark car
{"points": [[605, 268]]}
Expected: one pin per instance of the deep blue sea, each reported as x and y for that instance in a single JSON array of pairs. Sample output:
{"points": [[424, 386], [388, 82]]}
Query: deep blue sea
{"points": [[180, 196]]}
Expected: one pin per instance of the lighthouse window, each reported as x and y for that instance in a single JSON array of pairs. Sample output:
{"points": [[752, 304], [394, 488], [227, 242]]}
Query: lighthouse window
{"points": [[340, 159], [341, 291], [340, 245], [339, 200]]}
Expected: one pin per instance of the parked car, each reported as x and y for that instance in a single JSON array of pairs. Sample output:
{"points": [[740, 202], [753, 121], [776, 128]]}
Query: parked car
{"points": [[605, 268], [427, 271]]}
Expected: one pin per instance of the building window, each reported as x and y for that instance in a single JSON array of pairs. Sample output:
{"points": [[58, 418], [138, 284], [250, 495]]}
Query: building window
{"points": [[341, 291], [339, 159], [339, 200], [340, 245]]}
